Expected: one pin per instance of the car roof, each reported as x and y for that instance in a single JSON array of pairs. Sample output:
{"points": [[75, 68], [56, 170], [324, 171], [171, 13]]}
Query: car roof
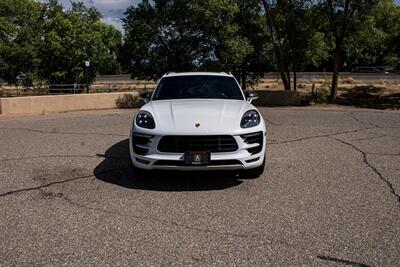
{"points": [[175, 74]]}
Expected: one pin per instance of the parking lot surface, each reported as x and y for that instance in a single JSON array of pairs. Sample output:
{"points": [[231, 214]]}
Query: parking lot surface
{"points": [[330, 195]]}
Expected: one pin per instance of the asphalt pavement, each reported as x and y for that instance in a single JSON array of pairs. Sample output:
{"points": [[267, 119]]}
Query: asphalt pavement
{"points": [[330, 195]]}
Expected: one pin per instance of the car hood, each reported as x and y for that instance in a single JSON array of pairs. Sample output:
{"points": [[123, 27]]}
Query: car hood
{"points": [[198, 116]]}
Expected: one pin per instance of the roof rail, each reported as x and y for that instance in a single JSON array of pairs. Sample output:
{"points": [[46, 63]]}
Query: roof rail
{"points": [[169, 72]]}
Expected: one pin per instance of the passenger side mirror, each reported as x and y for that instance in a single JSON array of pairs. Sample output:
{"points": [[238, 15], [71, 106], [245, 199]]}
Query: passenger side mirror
{"points": [[251, 95], [146, 96]]}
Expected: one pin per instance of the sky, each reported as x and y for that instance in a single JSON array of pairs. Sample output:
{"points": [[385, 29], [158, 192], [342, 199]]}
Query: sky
{"points": [[112, 10]]}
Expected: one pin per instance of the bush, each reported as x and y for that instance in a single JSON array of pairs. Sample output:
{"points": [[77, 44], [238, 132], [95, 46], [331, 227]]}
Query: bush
{"points": [[128, 101]]}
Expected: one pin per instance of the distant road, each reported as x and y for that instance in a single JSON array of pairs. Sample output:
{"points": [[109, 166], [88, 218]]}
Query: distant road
{"points": [[300, 76]]}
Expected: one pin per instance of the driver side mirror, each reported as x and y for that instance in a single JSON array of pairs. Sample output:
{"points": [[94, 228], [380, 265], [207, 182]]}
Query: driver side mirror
{"points": [[146, 95], [251, 95]]}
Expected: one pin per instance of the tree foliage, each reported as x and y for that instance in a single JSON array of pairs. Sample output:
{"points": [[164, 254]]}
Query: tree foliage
{"points": [[183, 35], [345, 19], [245, 37], [20, 27], [43, 41], [377, 41], [233, 36]]}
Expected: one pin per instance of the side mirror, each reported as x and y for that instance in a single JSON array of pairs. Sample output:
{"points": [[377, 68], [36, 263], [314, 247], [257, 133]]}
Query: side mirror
{"points": [[251, 95], [146, 95]]}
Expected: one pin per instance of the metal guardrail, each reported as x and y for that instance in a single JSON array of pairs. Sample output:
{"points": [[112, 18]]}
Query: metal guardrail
{"points": [[64, 89], [123, 78]]}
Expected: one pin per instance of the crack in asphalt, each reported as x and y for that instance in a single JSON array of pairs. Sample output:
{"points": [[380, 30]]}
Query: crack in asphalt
{"points": [[61, 133], [319, 136], [64, 156], [44, 185], [337, 260], [369, 138], [49, 156], [354, 117], [375, 170], [28, 189]]}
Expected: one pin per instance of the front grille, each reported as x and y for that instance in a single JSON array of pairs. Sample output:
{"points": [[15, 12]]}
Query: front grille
{"points": [[208, 143], [182, 163], [254, 138]]}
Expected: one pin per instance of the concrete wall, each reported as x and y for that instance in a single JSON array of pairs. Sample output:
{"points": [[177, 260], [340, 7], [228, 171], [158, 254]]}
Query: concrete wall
{"points": [[270, 98], [62, 103], [59, 103]]}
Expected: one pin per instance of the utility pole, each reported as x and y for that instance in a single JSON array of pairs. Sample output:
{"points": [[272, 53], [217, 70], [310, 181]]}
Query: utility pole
{"points": [[89, 49], [87, 65]]}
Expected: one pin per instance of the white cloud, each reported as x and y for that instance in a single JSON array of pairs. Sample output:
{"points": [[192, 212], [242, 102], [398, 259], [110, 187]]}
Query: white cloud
{"points": [[112, 10], [116, 22]]}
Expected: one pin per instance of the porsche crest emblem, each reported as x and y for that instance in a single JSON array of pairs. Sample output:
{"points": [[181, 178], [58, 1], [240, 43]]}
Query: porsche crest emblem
{"points": [[197, 125]]}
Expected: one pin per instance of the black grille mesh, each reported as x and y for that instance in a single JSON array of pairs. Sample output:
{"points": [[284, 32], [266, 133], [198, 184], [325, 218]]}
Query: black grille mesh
{"points": [[210, 143]]}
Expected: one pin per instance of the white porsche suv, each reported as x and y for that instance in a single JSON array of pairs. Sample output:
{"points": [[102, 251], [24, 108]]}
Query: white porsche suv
{"points": [[198, 121]]}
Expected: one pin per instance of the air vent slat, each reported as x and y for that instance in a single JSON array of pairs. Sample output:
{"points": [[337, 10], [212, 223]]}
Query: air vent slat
{"points": [[181, 144]]}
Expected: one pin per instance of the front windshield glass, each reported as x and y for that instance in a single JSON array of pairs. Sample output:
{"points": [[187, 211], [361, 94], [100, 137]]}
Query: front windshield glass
{"points": [[198, 86]]}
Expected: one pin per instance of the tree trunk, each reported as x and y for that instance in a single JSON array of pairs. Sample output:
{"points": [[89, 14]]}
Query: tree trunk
{"points": [[335, 75], [243, 79], [237, 75], [294, 77], [283, 68], [294, 70], [286, 72]]}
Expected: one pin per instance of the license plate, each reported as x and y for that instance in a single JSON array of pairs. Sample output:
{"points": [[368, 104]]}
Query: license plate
{"points": [[197, 158]]}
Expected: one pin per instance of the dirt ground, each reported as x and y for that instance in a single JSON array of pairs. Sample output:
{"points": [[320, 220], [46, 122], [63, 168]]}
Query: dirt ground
{"points": [[373, 94]]}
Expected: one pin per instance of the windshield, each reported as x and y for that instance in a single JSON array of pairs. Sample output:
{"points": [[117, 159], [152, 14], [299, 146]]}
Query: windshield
{"points": [[198, 86]]}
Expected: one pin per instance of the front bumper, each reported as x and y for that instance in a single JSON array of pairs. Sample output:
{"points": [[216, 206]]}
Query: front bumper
{"points": [[156, 160]]}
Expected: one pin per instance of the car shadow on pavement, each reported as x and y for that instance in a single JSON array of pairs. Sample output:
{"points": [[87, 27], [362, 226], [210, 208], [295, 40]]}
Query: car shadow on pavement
{"points": [[116, 168]]}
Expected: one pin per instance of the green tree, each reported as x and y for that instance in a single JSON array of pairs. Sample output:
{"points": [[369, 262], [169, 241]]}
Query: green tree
{"points": [[377, 41], [74, 36], [182, 35], [43, 41], [232, 32], [20, 35], [275, 39], [345, 18], [157, 39]]}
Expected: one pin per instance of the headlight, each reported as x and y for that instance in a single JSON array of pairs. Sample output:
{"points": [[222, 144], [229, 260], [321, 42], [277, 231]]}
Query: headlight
{"points": [[145, 120], [250, 119]]}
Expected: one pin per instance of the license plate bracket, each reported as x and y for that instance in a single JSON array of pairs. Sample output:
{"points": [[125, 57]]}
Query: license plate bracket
{"points": [[199, 158]]}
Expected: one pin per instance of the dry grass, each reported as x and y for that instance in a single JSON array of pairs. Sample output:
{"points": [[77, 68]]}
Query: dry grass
{"points": [[377, 94]]}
